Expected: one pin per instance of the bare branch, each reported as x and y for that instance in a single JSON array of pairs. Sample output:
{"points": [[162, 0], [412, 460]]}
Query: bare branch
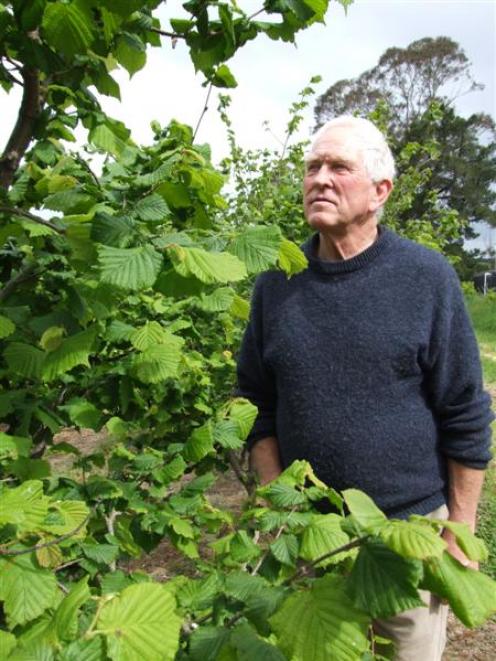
{"points": [[22, 132], [302, 571], [205, 108], [16, 211]]}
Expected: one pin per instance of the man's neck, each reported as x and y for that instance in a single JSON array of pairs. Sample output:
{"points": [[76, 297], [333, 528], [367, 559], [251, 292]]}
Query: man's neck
{"points": [[334, 246]]}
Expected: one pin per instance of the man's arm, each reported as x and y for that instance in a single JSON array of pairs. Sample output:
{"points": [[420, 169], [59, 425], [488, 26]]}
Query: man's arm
{"points": [[465, 485], [265, 459]]}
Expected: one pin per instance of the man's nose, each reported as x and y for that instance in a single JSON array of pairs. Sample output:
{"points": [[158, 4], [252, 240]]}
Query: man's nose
{"points": [[323, 176]]}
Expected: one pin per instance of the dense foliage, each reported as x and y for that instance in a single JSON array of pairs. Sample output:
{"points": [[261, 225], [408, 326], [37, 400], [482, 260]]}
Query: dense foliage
{"points": [[119, 312]]}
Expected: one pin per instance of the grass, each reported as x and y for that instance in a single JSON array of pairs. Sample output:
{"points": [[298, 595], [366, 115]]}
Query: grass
{"points": [[483, 312]]}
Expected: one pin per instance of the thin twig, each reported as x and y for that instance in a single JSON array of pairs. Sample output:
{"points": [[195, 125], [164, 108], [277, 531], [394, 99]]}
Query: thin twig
{"points": [[45, 545], [267, 550], [308, 565], [164, 33], [62, 587], [110, 520], [205, 108], [16, 211], [67, 564]]}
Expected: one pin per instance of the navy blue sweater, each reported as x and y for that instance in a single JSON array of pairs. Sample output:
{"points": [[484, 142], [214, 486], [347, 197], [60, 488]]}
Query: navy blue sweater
{"points": [[368, 368]]}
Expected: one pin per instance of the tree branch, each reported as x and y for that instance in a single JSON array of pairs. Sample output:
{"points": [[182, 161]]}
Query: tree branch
{"points": [[26, 273], [45, 545], [205, 108], [22, 132], [309, 565], [16, 211]]}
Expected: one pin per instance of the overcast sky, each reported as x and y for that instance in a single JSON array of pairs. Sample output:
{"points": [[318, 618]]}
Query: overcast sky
{"points": [[270, 74]]}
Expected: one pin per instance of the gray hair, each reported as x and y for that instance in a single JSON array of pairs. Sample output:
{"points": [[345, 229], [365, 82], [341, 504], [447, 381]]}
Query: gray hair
{"points": [[377, 156]]}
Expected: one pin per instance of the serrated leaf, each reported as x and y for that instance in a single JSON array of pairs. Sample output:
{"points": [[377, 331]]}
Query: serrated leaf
{"points": [[129, 268], [257, 247], [243, 548], [27, 590], [243, 413], [474, 548], [471, 594], [148, 335], [242, 586], [285, 549], [119, 331], [24, 359], [36, 229], [49, 556], [7, 642], [101, 553], [412, 540], [25, 506], [291, 259], [73, 351], [218, 301], [74, 513], [69, 201], [226, 434], [383, 583], [83, 413], [250, 646], [152, 208], [323, 535], [116, 231], [200, 443], [159, 362], [364, 510], [182, 527], [7, 327], [130, 52], [282, 495], [141, 624], [65, 619], [207, 642], [84, 650], [109, 138], [321, 623], [240, 308], [68, 28], [209, 267]]}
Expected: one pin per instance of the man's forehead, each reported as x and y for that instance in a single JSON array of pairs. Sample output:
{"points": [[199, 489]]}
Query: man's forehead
{"points": [[337, 142]]}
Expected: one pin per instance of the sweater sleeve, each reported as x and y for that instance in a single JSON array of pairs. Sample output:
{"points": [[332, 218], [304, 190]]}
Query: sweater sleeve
{"points": [[454, 381], [255, 379]]}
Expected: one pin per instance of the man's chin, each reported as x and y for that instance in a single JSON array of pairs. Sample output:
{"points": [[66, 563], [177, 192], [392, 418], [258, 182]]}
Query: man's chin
{"points": [[321, 223]]}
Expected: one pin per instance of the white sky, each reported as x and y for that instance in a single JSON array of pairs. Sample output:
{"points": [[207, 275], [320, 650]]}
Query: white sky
{"points": [[270, 74]]}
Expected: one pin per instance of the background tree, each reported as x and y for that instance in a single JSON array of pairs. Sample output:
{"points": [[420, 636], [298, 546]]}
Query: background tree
{"points": [[407, 81]]}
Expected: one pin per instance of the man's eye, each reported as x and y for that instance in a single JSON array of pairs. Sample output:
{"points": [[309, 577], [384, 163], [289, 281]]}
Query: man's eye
{"points": [[313, 167]]}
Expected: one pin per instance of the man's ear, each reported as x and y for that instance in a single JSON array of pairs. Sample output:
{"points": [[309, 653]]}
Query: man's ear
{"points": [[382, 190]]}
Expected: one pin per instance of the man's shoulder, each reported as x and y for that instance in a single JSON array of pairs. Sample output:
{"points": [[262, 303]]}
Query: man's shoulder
{"points": [[421, 260]]}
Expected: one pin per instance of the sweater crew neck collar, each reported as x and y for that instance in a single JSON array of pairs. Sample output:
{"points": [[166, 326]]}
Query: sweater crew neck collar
{"points": [[310, 248]]}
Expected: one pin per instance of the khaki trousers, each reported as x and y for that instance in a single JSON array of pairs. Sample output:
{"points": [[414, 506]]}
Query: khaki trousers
{"points": [[418, 634]]}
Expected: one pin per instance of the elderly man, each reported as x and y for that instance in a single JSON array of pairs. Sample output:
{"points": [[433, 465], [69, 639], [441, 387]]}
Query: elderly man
{"points": [[365, 364]]}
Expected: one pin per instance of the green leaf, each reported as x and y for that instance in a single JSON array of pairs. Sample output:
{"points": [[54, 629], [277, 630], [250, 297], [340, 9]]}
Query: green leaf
{"points": [[52, 338], [243, 548], [24, 359], [148, 335], [243, 413], [223, 77], [130, 52], [101, 553], [69, 201], [83, 413], [73, 513], [364, 510], [161, 361], [152, 208], [129, 268], [207, 642], [323, 535], [7, 327], [68, 28], [282, 495], [250, 646], [27, 590], [141, 623], [111, 137], [474, 548], [7, 642], [84, 650], [182, 527], [240, 308], [65, 619], [321, 623], [114, 231], [200, 443], [471, 594], [383, 583], [25, 506], [257, 247], [218, 301], [209, 267], [412, 540], [291, 259], [73, 351], [285, 549]]}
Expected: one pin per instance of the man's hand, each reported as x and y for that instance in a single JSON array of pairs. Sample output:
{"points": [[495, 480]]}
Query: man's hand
{"points": [[265, 459], [465, 486]]}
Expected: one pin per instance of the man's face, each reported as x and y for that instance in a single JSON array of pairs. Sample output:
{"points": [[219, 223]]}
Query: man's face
{"points": [[337, 189]]}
